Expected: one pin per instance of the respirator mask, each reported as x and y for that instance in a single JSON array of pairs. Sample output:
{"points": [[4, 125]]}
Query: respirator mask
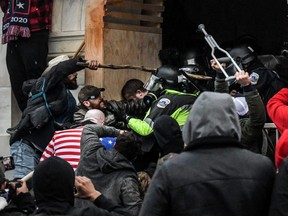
{"points": [[151, 96]]}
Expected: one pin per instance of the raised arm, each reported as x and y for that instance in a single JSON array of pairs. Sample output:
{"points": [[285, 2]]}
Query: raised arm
{"points": [[90, 137]]}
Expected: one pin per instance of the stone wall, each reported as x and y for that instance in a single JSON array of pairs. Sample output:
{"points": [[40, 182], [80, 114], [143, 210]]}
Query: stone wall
{"points": [[68, 29]]}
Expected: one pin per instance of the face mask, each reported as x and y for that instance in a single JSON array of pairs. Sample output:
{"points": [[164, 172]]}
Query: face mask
{"points": [[151, 96]]}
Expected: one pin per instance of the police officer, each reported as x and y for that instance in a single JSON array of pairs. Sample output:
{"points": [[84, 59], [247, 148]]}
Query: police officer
{"points": [[172, 101], [266, 81]]}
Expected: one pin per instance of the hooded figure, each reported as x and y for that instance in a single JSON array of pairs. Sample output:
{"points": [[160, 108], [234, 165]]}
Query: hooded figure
{"points": [[168, 136], [111, 170], [53, 184], [214, 175], [214, 115]]}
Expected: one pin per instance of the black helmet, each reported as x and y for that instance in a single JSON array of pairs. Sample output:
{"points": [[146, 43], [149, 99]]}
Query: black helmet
{"points": [[169, 74], [243, 54], [166, 76], [196, 55]]}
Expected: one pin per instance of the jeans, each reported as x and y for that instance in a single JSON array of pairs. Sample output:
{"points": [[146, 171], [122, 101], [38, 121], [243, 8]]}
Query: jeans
{"points": [[25, 158]]}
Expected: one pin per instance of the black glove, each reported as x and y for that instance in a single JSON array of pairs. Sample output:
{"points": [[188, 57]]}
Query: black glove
{"points": [[121, 116]]}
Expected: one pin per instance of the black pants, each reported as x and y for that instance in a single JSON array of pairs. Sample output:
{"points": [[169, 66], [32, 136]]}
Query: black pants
{"points": [[26, 58]]}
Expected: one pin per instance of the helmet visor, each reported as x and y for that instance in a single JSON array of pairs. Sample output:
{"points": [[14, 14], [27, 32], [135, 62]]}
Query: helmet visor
{"points": [[153, 84]]}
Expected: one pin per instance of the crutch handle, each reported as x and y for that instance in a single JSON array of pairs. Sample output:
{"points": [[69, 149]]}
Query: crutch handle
{"points": [[213, 44], [230, 79], [201, 27]]}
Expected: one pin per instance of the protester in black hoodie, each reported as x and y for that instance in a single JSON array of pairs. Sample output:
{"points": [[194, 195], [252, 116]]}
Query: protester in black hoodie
{"points": [[214, 175], [111, 170], [53, 184], [169, 137]]}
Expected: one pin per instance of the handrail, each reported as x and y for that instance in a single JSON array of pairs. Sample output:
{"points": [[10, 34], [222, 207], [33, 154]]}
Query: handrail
{"points": [[272, 126]]}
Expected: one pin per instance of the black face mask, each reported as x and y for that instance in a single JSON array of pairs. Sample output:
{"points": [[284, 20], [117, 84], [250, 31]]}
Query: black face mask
{"points": [[151, 96]]}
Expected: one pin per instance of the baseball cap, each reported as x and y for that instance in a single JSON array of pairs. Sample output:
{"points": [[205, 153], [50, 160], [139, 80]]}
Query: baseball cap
{"points": [[89, 92]]}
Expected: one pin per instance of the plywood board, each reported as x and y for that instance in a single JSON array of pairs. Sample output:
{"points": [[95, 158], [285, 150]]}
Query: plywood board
{"points": [[117, 47], [132, 48], [94, 39]]}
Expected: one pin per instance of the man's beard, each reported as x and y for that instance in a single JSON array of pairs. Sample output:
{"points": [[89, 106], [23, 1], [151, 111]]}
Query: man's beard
{"points": [[71, 84]]}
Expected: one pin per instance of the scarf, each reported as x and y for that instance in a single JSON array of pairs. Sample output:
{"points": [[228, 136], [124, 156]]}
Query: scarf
{"points": [[16, 20]]}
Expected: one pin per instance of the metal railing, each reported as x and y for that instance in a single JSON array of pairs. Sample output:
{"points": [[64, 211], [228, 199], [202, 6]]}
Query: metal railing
{"points": [[272, 126]]}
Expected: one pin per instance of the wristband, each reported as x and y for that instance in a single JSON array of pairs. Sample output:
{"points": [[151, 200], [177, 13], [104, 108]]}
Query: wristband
{"points": [[248, 88]]}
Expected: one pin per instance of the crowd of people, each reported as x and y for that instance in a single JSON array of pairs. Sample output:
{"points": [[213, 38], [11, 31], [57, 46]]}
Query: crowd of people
{"points": [[181, 153], [170, 146]]}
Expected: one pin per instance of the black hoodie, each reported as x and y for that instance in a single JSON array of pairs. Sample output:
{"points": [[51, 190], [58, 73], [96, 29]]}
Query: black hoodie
{"points": [[168, 135], [53, 183]]}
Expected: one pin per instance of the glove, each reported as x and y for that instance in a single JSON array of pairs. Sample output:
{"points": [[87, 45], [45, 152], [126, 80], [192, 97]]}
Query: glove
{"points": [[122, 116]]}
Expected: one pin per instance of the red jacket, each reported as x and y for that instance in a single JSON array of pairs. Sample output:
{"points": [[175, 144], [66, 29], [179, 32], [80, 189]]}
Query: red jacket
{"points": [[281, 151], [277, 108]]}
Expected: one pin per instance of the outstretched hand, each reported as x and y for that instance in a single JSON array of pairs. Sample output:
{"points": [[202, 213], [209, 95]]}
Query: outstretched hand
{"points": [[215, 66], [93, 64], [85, 188], [19, 186]]}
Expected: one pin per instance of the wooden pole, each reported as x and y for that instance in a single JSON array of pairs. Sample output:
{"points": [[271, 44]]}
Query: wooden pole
{"points": [[79, 49]]}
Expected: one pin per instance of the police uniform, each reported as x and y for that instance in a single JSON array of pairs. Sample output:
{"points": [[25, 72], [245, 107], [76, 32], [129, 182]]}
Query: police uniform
{"points": [[173, 103]]}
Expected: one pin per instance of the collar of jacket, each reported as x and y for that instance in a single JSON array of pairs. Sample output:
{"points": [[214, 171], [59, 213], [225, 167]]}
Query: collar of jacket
{"points": [[171, 91], [81, 106], [212, 142]]}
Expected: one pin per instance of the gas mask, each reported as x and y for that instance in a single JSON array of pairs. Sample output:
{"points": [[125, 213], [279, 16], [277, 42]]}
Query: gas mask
{"points": [[151, 96]]}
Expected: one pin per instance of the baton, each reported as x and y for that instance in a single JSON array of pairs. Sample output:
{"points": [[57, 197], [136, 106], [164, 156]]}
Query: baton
{"points": [[214, 46], [117, 67]]}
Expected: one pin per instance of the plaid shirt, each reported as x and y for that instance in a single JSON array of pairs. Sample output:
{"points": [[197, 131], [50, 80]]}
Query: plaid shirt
{"points": [[40, 13]]}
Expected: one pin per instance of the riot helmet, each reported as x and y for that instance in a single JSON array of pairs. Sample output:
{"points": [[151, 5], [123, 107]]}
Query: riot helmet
{"points": [[195, 62], [196, 56], [166, 76], [243, 54]]}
